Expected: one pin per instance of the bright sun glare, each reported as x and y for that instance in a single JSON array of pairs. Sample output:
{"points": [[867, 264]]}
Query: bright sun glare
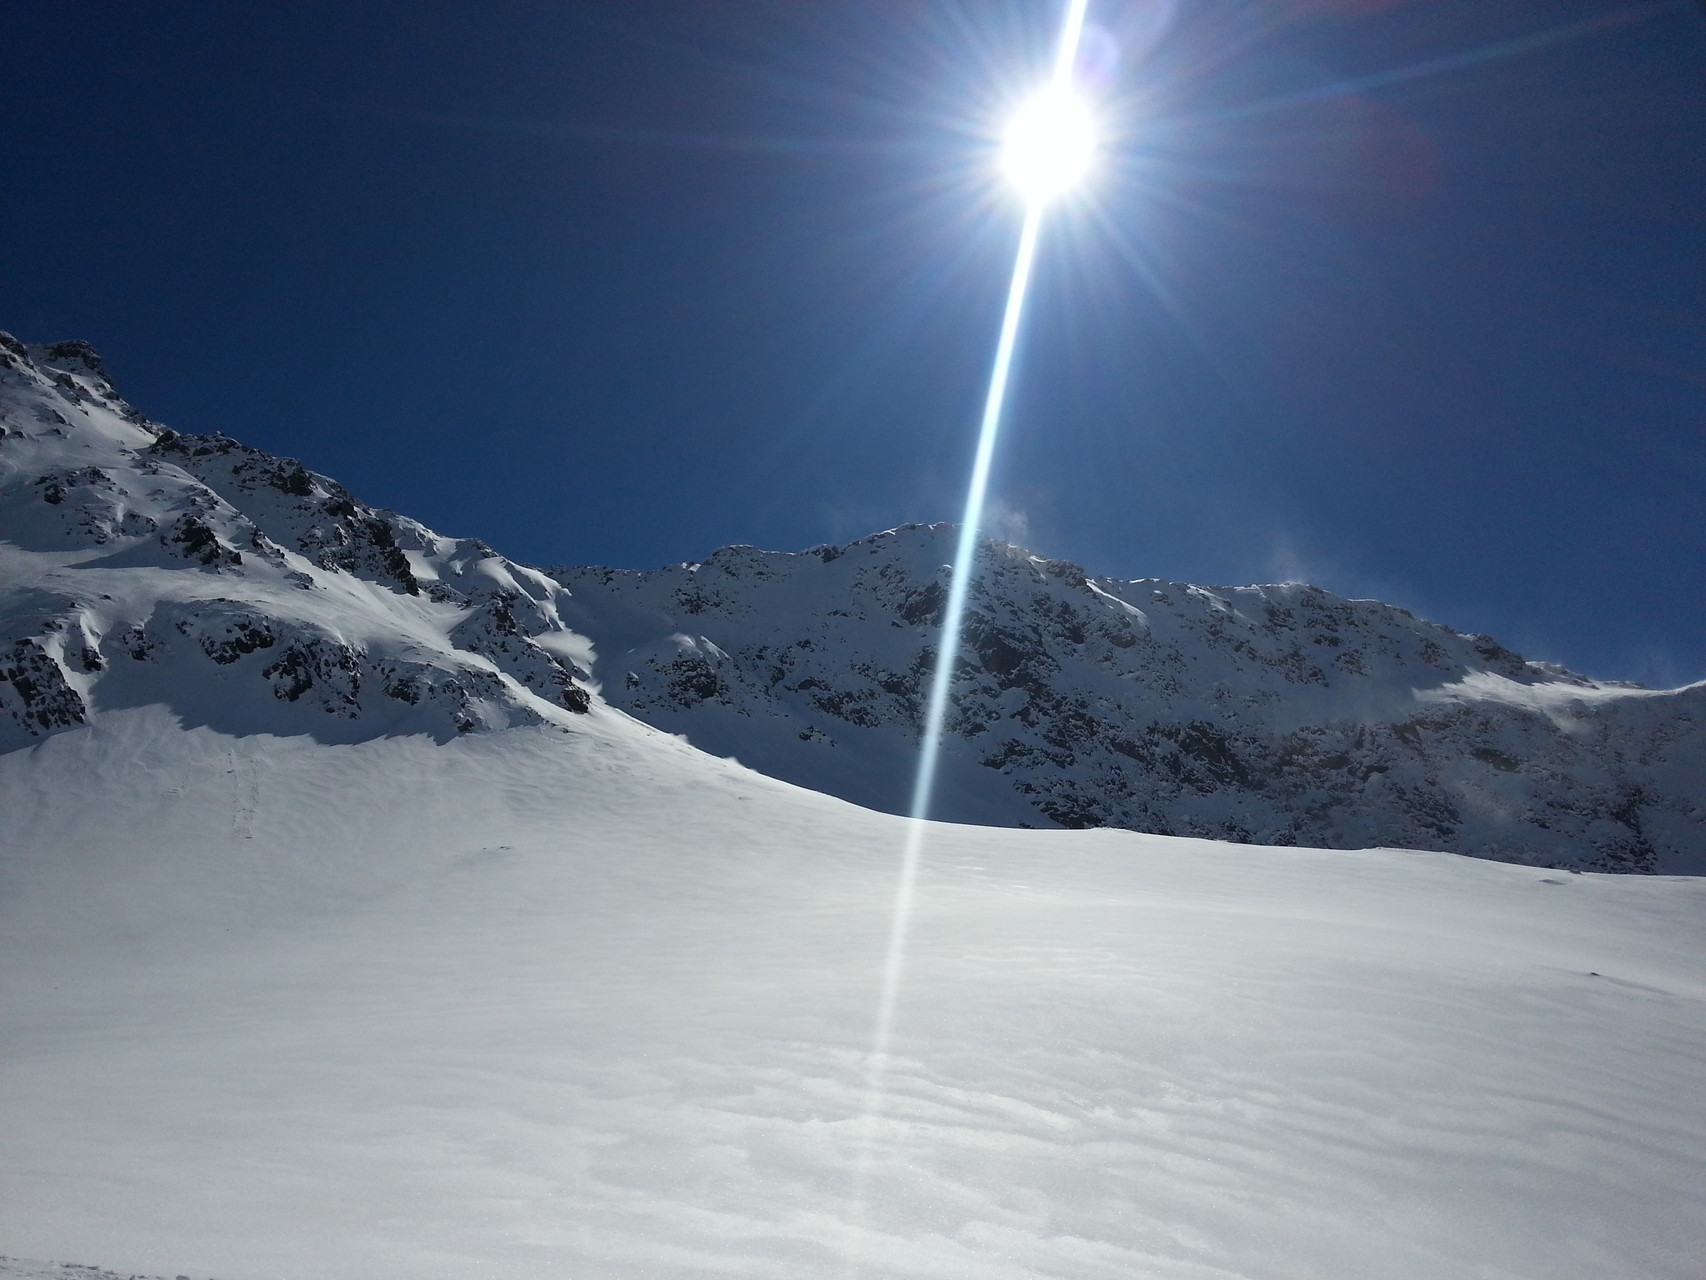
{"points": [[1049, 144], [1049, 147]]}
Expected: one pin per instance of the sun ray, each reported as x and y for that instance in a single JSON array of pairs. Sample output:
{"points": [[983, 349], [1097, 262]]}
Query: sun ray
{"points": [[942, 679], [1531, 42]]}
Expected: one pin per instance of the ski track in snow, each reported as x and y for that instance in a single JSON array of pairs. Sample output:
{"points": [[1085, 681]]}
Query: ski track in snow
{"points": [[597, 1005]]}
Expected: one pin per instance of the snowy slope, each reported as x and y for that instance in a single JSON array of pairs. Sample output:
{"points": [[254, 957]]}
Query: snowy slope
{"points": [[1273, 714], [596, 1005], [41, 1269], [140, 566], [347, 932]]}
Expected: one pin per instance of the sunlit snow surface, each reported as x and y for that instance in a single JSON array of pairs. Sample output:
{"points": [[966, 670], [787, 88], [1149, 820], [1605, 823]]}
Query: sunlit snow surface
{"points": [[590, 1004]]}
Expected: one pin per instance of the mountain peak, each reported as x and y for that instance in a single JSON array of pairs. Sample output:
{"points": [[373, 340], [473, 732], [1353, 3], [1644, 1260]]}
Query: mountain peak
{"points": [[74, 356], [247, 592], [1274, 714]]}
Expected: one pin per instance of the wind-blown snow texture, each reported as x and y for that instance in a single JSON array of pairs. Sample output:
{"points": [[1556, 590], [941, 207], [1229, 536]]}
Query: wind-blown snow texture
{"points": [[594, 1004], [251, 594], [37, 1269]]}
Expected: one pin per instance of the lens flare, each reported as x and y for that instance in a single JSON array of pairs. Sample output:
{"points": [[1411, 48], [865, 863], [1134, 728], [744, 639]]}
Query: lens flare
{"points": [[1049, 145], [1049, 149]]}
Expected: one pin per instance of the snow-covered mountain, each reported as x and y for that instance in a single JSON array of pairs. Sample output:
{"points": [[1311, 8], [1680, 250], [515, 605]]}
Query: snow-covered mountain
{"points": [[309, 970], [1265, 714], [247, 593], [142, 566]]}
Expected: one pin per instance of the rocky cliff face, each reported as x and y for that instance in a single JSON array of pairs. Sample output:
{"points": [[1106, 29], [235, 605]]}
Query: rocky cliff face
{"points": [[1272, 714], [140, 566]]}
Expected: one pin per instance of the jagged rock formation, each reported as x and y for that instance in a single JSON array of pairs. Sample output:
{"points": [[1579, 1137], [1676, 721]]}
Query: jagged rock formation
{"points": [[140, 565], [1275, 714]]}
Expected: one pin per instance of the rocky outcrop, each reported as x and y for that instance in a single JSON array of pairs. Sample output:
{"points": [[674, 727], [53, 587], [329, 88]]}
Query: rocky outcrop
{"points": [[240, 587], [1273, 714], [34, 690]]}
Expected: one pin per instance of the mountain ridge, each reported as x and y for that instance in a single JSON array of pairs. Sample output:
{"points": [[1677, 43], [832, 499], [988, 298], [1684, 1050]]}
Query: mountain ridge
{"points": [[1264, 714], [254, 595], [142, 562]]}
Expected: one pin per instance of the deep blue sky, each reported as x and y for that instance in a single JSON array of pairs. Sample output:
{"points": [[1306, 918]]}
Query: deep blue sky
{"points": [[1403, 297]]}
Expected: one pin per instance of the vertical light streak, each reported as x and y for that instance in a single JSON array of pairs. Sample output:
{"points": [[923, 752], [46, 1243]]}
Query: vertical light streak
{"points": [[942, 680], [965, 550]]}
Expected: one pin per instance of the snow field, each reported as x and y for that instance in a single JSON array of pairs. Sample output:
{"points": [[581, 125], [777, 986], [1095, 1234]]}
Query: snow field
{"points": [[592, 1005]]}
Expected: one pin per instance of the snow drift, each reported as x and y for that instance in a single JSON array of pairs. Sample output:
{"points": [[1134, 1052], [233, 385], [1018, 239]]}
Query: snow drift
{"points": [[596, 1004]]}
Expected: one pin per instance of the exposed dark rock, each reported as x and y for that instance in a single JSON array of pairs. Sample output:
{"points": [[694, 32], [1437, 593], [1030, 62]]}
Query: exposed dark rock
{"points": [[1283, 715], [923, 607], [77, 351], [34, 691], [236, 638], [193, 539], [692, 680], [318, 664]]}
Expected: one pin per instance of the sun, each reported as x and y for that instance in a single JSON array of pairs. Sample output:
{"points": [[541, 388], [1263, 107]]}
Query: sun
{"points": [[1049, 145]]}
